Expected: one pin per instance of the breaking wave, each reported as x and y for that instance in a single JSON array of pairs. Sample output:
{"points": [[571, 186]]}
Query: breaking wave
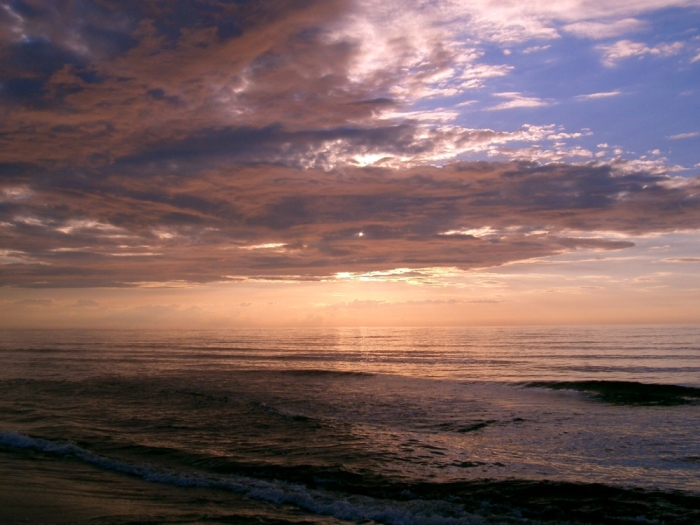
{"points": [[483, 502], [627, 392]]}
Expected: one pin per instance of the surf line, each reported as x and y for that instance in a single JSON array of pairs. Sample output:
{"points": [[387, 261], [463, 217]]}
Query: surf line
{"points": [[411, 512]]}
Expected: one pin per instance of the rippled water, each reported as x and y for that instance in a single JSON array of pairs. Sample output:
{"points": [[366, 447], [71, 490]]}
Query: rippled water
{"points": [[466, 425]]}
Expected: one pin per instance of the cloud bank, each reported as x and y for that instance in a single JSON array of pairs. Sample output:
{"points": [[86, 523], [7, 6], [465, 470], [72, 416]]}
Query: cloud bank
{"points": [[256, 220], [209, 141]]}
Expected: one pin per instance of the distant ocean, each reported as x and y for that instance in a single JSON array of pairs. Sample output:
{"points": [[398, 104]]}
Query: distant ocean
{"points": [[518, 425]]}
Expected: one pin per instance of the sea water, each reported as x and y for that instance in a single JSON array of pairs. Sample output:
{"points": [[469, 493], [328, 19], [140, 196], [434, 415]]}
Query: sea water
{"points": [[351, 425]]}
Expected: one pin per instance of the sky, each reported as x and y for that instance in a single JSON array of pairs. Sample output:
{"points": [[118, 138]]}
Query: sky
{"points": [[232, 163]]}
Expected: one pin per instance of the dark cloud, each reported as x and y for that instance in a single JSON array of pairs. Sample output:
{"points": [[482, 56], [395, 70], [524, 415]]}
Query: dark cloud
{"points": [[275, 221], [38, 39], [86, 83], [14, 170], [271, 145]]}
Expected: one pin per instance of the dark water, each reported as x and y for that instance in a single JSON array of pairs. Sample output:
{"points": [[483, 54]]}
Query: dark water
{"points": [[401, 426]]}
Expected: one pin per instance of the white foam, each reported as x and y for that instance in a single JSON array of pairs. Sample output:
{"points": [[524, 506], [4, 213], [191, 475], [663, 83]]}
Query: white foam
{"points": [[412, 512]]}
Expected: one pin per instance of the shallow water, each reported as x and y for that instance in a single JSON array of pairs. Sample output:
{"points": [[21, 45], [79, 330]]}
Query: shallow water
{"points": [[467, 425]]}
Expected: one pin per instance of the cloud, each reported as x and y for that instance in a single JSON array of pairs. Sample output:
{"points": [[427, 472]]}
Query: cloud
{"points": [[247, 64], [299, 224], [16, 256], [517, 100], [209, 80], [412, 142], [535, 49], [516, 22], [593, 96], [366, 304], [600, 30], [626, 49], [681, 136], [323, 73]]}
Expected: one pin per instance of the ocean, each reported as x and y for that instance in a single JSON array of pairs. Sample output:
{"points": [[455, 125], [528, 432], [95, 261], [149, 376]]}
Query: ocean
{"points": [[482, 425]]}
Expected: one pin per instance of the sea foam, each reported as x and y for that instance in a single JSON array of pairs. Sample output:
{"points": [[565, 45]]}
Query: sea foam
{"points": [[411, 512]]}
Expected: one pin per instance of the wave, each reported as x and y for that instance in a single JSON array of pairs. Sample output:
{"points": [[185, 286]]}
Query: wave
{"points": [[352, 507], [390, 502], [627, 392], [464, 429], [319, 372], [297, 417]]}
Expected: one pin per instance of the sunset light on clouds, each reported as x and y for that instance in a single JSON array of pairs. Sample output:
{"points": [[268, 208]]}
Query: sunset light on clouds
{"points": [[338, 162]]}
